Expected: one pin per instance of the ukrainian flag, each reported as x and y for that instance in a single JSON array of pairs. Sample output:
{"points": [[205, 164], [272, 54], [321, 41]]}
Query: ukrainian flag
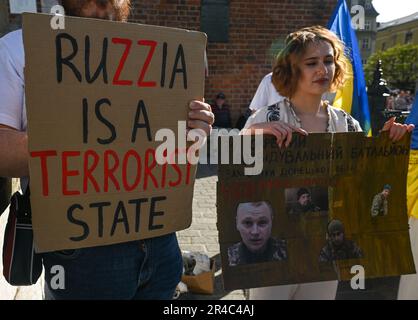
{"points": [[412, 182], [352, 97]]}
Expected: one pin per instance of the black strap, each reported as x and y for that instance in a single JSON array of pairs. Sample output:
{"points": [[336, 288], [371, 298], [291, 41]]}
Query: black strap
{"points": [[24, 212]]}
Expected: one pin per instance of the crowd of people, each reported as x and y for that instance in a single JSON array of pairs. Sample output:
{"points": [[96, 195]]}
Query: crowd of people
{"points": [[400, 100]]}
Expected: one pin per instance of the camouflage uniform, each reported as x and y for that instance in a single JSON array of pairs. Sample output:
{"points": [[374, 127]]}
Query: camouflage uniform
{"points": [[276, 250], [348, 250], [379, 206], [299, 209]]}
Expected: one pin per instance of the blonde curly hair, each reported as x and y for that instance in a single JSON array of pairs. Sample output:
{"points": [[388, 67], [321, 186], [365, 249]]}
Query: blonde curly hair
{"points": [[286, 72]]}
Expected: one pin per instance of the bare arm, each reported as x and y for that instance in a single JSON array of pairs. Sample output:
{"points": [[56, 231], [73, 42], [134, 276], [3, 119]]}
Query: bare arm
{"points": [[397, 130], [14, 154]]}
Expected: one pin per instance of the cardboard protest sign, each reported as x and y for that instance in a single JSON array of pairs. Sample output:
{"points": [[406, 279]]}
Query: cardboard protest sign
{"points": [[315, 211], [97, 93]]}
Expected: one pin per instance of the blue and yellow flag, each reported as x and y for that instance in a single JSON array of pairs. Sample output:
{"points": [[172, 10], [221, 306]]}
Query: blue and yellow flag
{"points": [[352, 97], [412, 184]]}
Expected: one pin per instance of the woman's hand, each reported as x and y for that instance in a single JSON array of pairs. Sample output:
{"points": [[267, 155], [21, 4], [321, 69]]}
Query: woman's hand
{"points": [[282, 131], [396, 130]]}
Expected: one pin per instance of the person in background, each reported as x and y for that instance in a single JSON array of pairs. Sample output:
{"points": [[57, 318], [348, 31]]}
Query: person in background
{"points": [[401, 103], [245, 114], [409, 99], [266, 94], [390, 101], [221, 111]]}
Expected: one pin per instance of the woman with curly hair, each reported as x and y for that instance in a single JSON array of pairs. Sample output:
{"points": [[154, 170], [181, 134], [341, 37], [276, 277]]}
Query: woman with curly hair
{"points": [[117, 10], [311, 64]]}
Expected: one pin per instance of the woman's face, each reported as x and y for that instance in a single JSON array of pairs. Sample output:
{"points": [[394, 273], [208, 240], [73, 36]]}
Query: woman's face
{"points": [[317, 69]]}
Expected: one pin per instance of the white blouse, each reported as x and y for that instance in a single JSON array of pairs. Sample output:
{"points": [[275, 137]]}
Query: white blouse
{"points": [[338, 119]]}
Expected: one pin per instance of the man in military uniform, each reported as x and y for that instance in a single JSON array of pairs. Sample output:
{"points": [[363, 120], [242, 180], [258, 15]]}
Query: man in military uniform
{"points": [[380, 202], [254, 223], [304, 203], [337, 247]]}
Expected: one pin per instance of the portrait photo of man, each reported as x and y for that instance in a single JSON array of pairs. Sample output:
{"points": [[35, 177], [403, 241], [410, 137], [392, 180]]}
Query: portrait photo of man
{"points": [[304, 203], [380, 202], [254, 222], [337, 246]]}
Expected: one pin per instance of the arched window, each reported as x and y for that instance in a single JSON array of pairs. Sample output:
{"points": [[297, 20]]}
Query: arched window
{"points": [[214, 20]]}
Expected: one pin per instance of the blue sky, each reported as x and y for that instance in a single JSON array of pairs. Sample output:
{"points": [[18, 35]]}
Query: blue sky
{"points": [[394, 9]]}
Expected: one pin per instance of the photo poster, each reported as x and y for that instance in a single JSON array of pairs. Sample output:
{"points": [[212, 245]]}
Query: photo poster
{"points": [[309, 215], [97, 92]]}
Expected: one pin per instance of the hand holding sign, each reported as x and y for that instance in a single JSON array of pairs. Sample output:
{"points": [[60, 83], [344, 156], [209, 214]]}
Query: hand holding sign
{"points": [[96, 94], [200, 116], [396, 130]]}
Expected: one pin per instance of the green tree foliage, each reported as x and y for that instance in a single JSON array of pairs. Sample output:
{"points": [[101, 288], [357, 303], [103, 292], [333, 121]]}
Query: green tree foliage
{"points": [[399, 64]]}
